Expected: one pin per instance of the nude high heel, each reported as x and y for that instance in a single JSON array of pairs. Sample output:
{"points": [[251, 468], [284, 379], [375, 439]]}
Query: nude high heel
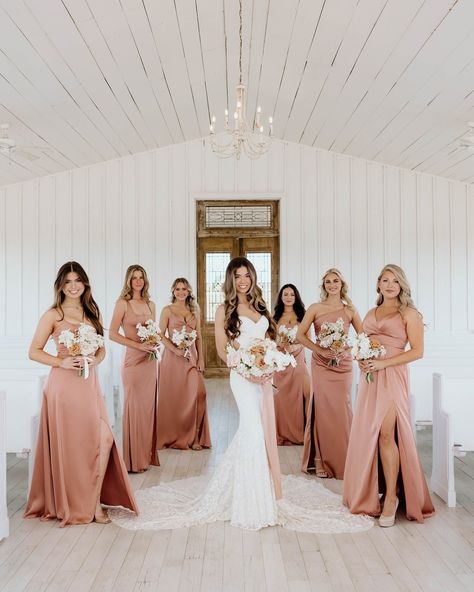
{"points": [[386, 521]]}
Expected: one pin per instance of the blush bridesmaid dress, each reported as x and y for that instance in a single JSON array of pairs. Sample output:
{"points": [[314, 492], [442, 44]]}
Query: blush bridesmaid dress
{"points": [[140, 383], [364, 479], [182, 408], [329, 408], [66, 471], [290, 412]]}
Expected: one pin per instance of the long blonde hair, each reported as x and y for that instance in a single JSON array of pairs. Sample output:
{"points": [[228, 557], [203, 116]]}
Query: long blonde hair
{"points": [[190, 302], [344, 294], [127, 290], [254, 298], [404, 297]]}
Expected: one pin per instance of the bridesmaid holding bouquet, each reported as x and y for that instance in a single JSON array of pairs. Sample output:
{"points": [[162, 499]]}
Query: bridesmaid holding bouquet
{"points": [[139, 371], [293, 383], [182, 408], [381, 432], [77, 464], [330, 409]]}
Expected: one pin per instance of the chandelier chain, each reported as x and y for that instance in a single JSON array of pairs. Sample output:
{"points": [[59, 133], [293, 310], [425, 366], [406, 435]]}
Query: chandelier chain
{"points": [[244, 137], [240, 42]]}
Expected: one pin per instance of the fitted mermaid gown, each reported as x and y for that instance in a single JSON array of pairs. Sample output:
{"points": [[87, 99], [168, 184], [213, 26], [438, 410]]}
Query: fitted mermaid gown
{"points": [[245, 486]]}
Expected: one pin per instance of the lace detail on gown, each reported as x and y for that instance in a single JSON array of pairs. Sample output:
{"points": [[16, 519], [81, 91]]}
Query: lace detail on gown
{"points": [[241, 489]]}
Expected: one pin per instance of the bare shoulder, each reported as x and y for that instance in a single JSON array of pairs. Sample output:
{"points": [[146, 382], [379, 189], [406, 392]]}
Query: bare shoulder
{"points": [[411, 316], [313, 309], [51, 316], [121, 304]]}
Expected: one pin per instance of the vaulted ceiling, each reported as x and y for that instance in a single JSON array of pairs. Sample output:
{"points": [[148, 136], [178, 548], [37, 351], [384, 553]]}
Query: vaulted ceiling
{"points": [[92, 80]]}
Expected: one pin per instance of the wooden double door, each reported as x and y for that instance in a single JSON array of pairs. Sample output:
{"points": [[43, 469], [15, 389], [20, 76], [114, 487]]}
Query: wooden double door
{"points": [[214, 253]]}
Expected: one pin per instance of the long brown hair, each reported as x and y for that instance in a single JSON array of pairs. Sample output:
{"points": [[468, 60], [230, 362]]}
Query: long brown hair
{"points": [[89, 305], [190, 301], [127, 290], [344, 294], [404, 297], [298, 306], [254, 298]]}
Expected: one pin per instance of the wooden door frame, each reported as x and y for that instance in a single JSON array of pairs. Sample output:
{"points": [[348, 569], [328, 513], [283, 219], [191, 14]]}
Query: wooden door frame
{"points": [[236, 233]]}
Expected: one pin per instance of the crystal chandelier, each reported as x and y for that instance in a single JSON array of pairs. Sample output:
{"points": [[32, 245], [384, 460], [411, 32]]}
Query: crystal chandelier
{"points": [[244, 137]]}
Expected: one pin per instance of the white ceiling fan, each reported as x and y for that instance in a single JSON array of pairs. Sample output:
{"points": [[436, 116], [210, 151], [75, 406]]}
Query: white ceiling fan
{"points": [[467, 141], [8, 146]]}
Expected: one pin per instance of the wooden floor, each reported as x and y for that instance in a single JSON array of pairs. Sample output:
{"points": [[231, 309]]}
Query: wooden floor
{"points": [[438, 555]]}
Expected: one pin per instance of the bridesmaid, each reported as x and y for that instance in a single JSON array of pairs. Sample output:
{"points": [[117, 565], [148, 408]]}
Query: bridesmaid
{"points": [[381, 430], [293, 384], [330, 410], [182, 409], [139, 373], [77, 465]]}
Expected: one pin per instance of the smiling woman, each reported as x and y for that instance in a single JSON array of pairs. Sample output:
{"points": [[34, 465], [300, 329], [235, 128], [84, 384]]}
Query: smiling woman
{"points": [[182, 407], [77, 465]]}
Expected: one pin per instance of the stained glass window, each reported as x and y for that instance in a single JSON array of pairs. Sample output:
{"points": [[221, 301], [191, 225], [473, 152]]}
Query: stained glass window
{"points": [[216, 264], [238, 216], [263, 266]]}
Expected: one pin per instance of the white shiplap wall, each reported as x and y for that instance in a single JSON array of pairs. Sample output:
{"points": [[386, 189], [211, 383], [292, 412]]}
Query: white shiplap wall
{"points": [[335, 210]]}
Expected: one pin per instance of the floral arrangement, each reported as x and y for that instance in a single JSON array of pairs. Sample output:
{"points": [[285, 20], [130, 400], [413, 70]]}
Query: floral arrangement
{"points": [[286, 335], [260, 359], [333, 337], [184, 340], [84, 341], [367, 348], [151, 335]]}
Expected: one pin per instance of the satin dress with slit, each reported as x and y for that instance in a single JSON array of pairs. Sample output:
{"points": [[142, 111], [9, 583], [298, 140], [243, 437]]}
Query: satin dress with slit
{"points": [[66, 470], [140, 385], [329, 410], [290, 412], [246, 487], [182, 420], [363, 478]]}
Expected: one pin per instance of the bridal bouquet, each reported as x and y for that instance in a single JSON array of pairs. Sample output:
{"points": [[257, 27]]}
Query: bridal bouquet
{"points": [[259, 359], [286, 335], [367, 348], [333, 337], [151, 335], [184, 339], [84, 341]]}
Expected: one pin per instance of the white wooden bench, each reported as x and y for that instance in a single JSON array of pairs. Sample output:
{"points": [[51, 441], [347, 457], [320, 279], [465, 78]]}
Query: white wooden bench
{"points": [[4, 524], [452, 430]]}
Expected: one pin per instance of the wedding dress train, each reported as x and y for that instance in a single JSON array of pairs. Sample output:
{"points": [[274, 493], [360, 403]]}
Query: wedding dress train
{"points": [[242, 489]]}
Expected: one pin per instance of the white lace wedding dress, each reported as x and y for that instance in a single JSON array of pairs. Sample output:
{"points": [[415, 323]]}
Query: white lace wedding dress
{"points": [[241, 489]]}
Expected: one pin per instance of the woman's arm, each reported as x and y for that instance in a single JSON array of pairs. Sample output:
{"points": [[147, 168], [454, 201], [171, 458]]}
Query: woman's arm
{"points": [[200, 360], [164, 318], [220, 334], [115, 324], [356, 321], [43, 332]]}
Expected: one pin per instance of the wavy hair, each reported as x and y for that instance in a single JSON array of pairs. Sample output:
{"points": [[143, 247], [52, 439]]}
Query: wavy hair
{"points": [[190, 302], [89, 305], [254, 298], [344, 288], [298, 306], [127, 290], [404, 297]]}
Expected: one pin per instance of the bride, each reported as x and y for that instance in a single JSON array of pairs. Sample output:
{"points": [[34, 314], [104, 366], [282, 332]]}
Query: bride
{"points": [[246, 488]]}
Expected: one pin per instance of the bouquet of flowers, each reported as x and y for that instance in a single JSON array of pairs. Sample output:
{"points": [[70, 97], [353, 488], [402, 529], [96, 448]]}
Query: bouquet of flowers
{"points": [[260, 359], [184, 339], [84, 341], [367, 348], [151, 335], [286, 335], [333, 337]]}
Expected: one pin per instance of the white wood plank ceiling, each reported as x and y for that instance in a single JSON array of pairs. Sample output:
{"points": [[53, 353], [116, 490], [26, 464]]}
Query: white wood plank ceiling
{"points": [[92, 80]]}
